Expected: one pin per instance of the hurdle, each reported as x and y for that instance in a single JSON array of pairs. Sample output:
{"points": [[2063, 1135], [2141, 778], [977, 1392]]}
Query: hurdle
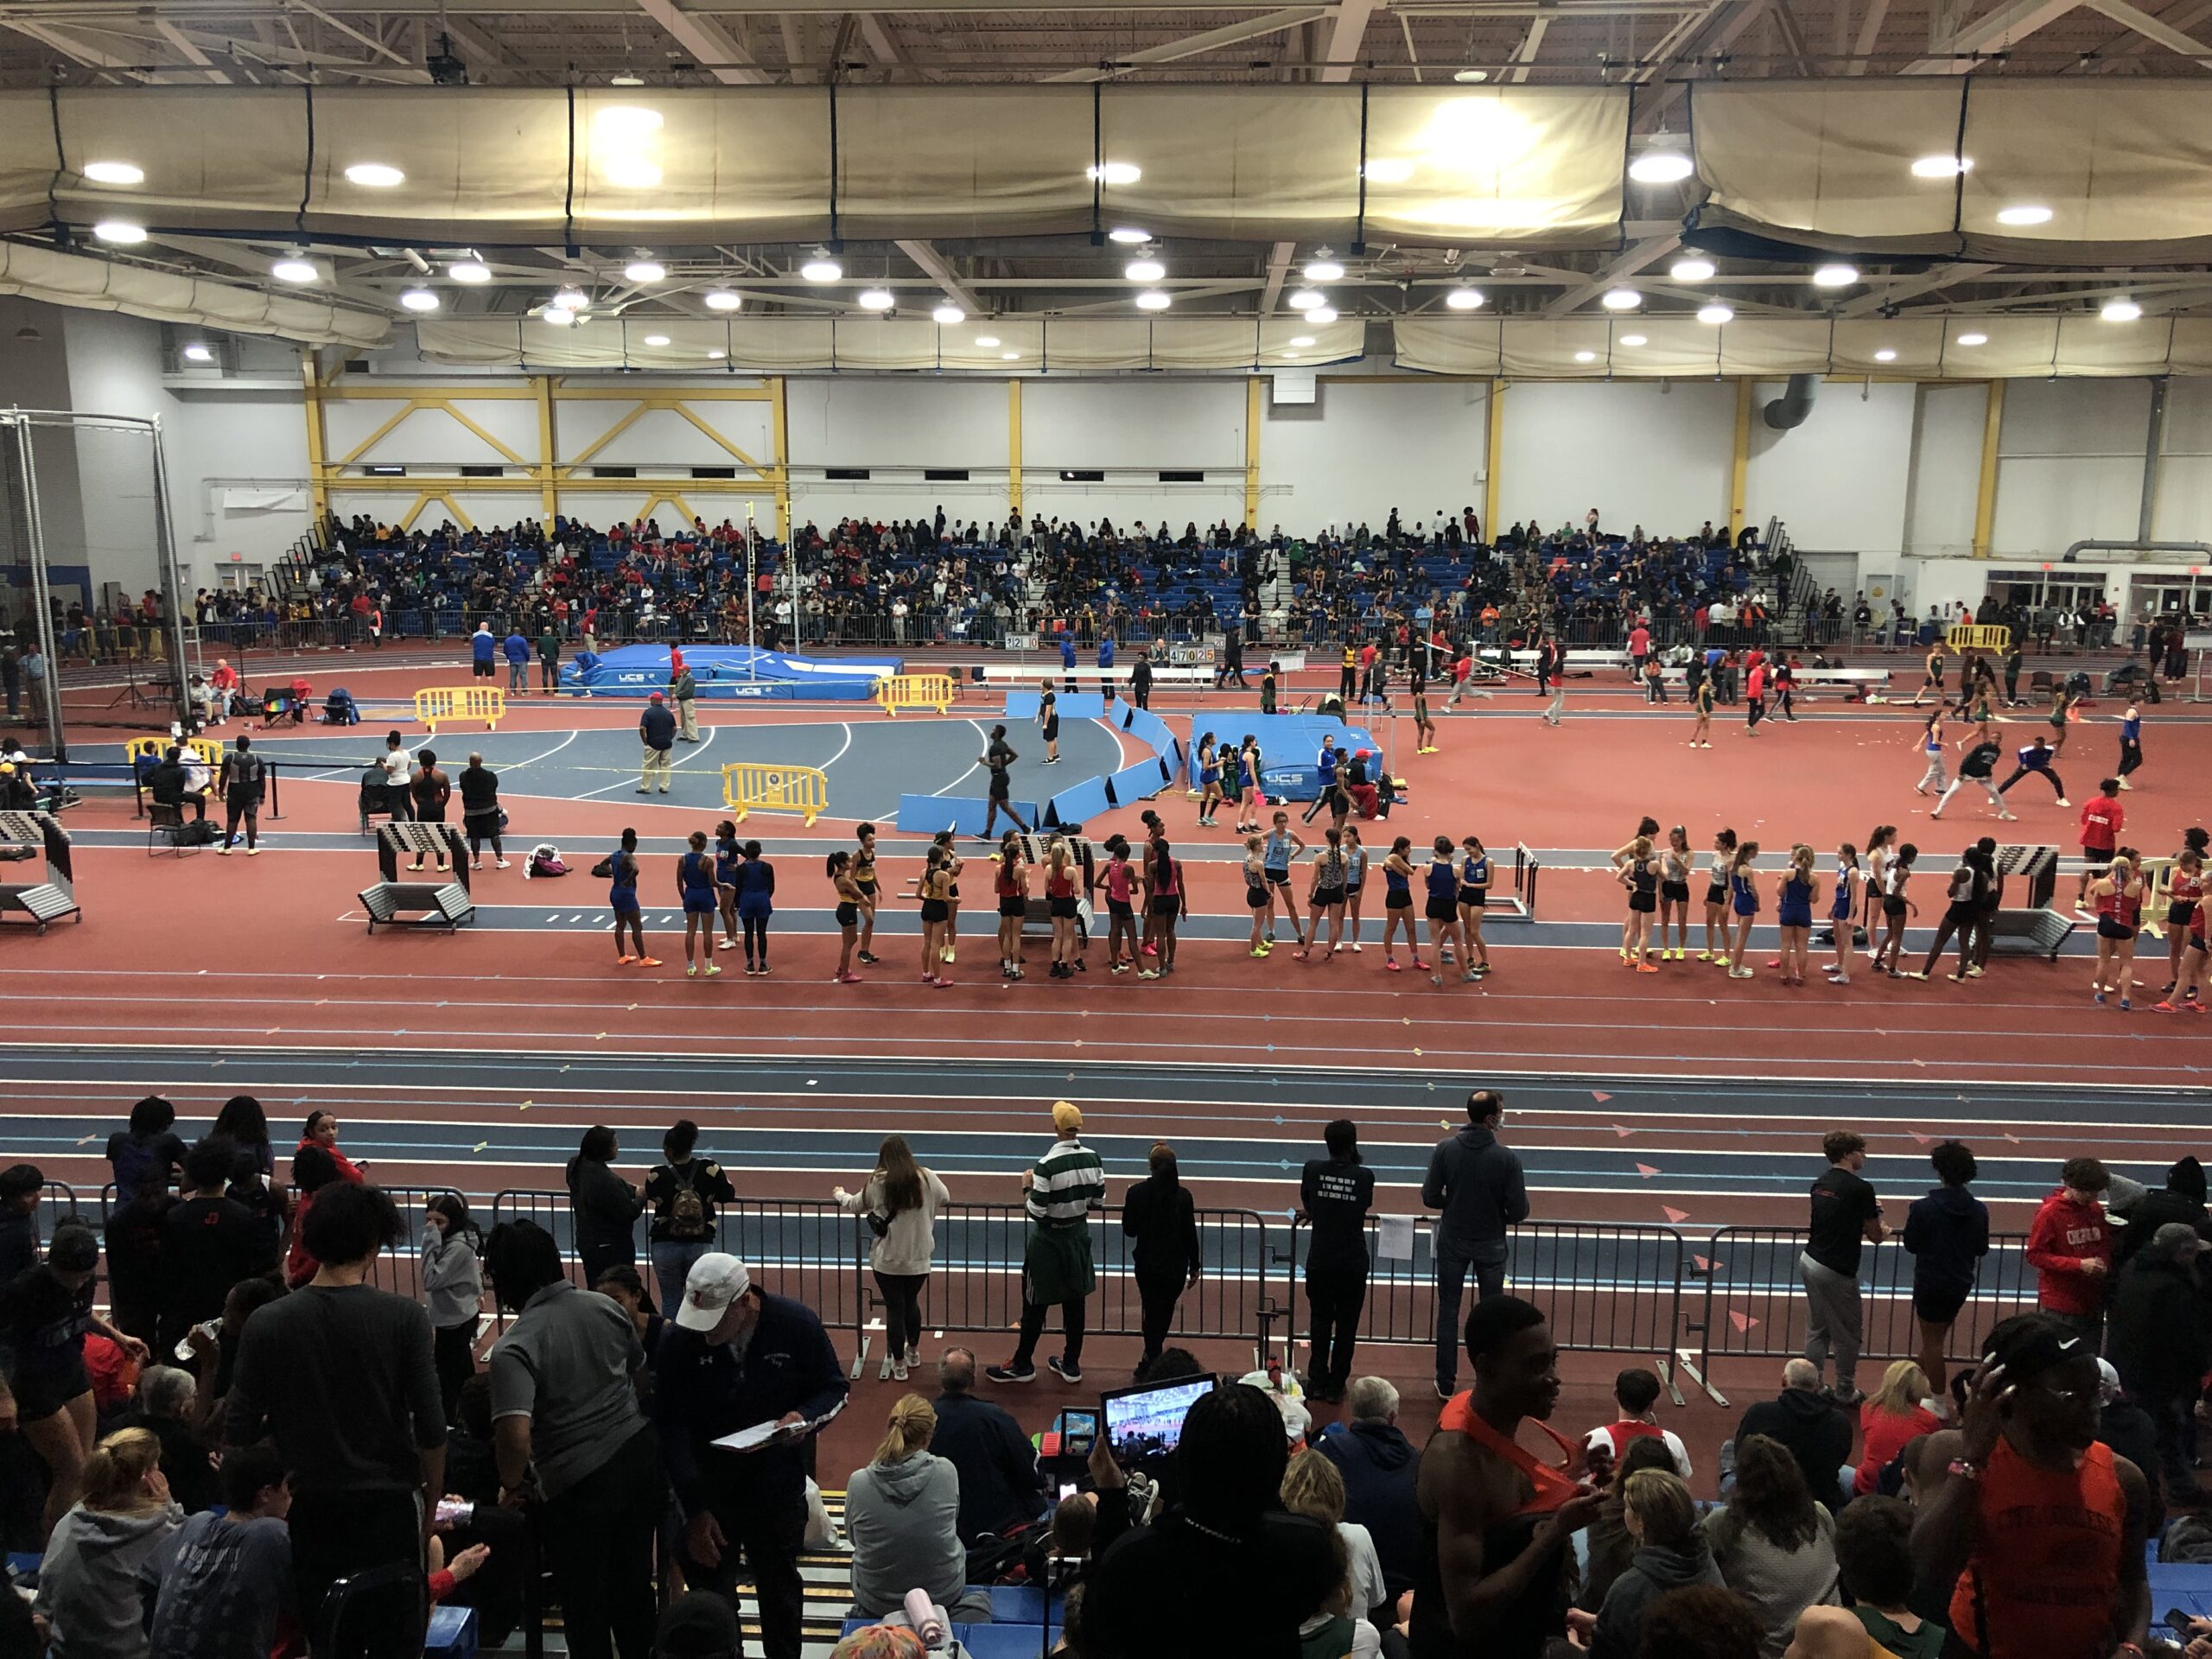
{"points": [[1521, 907], [454, 702], [1993, 636], [896, 691], [2157, 875], [209, 749], [750, 785]]}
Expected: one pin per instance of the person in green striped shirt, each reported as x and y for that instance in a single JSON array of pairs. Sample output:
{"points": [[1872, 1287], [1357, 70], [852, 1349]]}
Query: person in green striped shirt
{"points": [[1060, 1192]]}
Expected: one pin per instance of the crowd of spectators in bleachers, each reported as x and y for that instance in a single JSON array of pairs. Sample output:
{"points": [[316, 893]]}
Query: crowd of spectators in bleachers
{"points": [[256, 1446]]}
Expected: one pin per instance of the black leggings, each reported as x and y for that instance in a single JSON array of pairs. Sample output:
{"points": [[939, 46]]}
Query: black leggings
{"points": [[481, 829], [453, 1350], [245, 807], [2057, 788], [756, 927], [1964, 921], [2131, 756], [902, 1309]]}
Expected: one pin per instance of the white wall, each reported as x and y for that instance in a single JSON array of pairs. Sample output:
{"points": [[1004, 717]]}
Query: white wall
{"points": [[895, 427], [2070, 464], [2184, 510], [1839, 480], [1657, 455], [1361, 449], [1946, 469]]}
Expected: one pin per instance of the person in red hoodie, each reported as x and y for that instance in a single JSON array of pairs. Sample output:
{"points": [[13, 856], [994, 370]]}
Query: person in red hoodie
{"points": [[2070, 1248], [321, 1130], [2102, 819]]}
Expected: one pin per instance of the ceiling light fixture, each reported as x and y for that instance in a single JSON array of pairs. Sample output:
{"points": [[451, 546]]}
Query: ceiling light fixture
{"points": [[625, 79], [419, 299], [2024, 213], [374, 175], [572, 299], [822, 268], [877, 299], [1011, 357], [717, 354], [1690, 271], [1302, 339], [294, 271], [949, 316], [2121, 310], [199, 353], [1838, 275], [1942, 167], [120, 233], [656, 340], [1154, 299], [1471, 77], [1885, 355], [559, 315], [632, 173], [1621, 299], [1661, 164], [1115, 173], [722, 299], [1463, 299], [1323, 269], [1388, 170], [1973, 340], [115, 173], [1144, 270], [1128, 236], [644, 270], [1322, 314], [1304, 299], [1585, 357], [1715, 314], [469, 270], [986, 342], [1631, 339]]}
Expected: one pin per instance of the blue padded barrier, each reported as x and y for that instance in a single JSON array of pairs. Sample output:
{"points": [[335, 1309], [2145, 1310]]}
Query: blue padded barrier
{"points": [[925, 815]]}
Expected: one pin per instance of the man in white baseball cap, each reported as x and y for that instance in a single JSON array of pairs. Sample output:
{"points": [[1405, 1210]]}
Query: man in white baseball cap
{"points": [[735, 1357]]}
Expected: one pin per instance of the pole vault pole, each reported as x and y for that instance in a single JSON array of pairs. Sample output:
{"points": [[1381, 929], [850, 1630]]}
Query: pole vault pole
{"points": [[751, 632]]}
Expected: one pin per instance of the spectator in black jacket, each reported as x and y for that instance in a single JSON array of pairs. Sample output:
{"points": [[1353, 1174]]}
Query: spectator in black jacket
{"points": [[1807, 1424], [2181, 1199], [1947, 1234], [1477, 1185], [2159, 1347], [733, 1359], [165, 785], [1334, 1195], [606, 1207], [20, 1187], [999, 1488], [207, 1245], [1380, 1468], [1161, 1224]]}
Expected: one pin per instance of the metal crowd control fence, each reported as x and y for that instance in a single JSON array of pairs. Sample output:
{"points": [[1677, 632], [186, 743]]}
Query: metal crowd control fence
{"points": [[1606, 1287], [399, 1267], [810, 1249], [1754, 1303]]}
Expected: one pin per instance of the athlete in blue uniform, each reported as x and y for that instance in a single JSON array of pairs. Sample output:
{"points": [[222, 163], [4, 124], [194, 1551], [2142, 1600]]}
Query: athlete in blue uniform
{"points": [[1443, 911], [620, 867], [695, 886]]}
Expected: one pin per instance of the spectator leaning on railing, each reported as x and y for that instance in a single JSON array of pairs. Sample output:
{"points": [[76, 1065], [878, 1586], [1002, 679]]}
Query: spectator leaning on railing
{"points": [[1477, 1185], [2070, 1248], [1845, 1214]]}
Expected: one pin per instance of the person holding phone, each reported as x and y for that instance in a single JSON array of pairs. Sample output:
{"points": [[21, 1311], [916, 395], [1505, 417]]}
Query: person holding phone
{"points": [[900, 1201], [1160, 1221]]}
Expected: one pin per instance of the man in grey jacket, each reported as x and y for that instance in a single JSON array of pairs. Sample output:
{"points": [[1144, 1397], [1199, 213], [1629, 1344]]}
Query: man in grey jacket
{"points": [[1477, 1185]]}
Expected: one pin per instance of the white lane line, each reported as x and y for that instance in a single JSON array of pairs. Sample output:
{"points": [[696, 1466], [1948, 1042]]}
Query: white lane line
{"points": [[674, 766], [848, 728], [964, 775]]}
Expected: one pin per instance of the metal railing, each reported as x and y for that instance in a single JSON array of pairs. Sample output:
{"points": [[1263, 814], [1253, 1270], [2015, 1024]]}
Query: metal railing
{"points": [[1651, 1293], [1754, 1308]]}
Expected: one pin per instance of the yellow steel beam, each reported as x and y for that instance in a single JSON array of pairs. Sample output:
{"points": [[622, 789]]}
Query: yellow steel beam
{"points": [[1252, 452], [1985, 500], [608, 437], [548, 499], [380, 434], [445, 406], [366, 392], [1013, 448], [318, 485], [1740, 470], [1494, 450], [357, 483], [780, 416], [727, 448]]}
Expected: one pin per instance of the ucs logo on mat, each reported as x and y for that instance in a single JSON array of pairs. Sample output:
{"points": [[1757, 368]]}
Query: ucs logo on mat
{"points": [[1281, 780]]}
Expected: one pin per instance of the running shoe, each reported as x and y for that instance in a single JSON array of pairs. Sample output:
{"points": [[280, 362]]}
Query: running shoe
{"points": [[865, 960], [1641, 968], [1119, 967], [1064, 1371], [2062, 801], [1148, 973], [502, 863], [2101, 999], [898, 1370], [1354, 945], [690, 970], [847, 979], [1391, 963], [1436, 979], [1422, 965], [1704, 956], [712, 970], [1912, 973], [1975, 971], [946, 953], [2124, 1005], [648, 962], [1011, 1374], [1740, 973], [623, 961], [1474, 973], [2165, 1008]]}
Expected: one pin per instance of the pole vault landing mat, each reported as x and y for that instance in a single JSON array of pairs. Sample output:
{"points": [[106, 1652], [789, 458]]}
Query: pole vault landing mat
{"points": [[727, 671]]}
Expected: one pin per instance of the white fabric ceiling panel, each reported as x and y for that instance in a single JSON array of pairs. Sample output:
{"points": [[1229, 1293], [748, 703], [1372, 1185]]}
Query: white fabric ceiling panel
{"points": [[1543, 164]]}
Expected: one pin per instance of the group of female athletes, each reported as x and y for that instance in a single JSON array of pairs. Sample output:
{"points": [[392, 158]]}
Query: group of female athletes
{"points": [[1657, 879], [733, 883]]}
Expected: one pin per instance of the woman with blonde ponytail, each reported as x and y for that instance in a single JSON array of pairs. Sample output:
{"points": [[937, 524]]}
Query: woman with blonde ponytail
{"points": [[88, 1583], [902, 1513]]}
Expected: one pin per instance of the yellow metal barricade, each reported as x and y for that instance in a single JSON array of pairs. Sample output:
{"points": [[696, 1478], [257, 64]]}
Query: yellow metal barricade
{"points": [[454, 702], [750, 784], [209, 749], [896, 691], [1993, 636]]}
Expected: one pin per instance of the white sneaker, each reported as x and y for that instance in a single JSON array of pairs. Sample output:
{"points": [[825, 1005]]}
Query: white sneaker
{"points": [[503, 863], [899, 1370]]}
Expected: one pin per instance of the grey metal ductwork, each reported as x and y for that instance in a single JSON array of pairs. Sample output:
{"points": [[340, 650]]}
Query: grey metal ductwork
{"points": [[1795, 404], [2204, 548]]}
